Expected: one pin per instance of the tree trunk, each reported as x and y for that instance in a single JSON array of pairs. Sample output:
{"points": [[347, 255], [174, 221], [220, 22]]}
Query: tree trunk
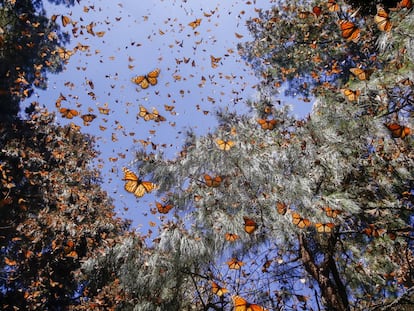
{"points": [[333, 292]]}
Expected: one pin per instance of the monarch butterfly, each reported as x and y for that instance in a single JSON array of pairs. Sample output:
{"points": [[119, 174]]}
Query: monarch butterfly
{"points": [[382, 20], [373, 231], [65, 20], [324, 228], [163, 209], [249, 225], [145, 81], [351, 95], [103, 110], [405, 4], [240, 304], [317, 10], [398, 131], [195, 23], [332, 6], [224, 145], [281, 208], [267, 124], [135, 185], [333, 213], [235, 264], [87, 118], [64, 54], [156, 116], [216, 289], [231, 237], [214, 61], [68, 113], [361, 74], [299, 221], [145, 114], [350, 32], [212, 182]]}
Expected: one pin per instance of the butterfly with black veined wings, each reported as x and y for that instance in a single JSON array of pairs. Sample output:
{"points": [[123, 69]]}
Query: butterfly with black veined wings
{"points": [[235, 264], [250, 225], [351, 95], [88, 118], [281, 208], [212, 181], [218, 290], [224, 144], [382, 20], [332, 6], [240, 304], [398, 131], [145, 114], [163, 209], [299, 221], [231, 237], [149, 79], [135, 185], [68, 113], [267, 124], [361, 74], [333, 213], [324, 228], [349, 30]]}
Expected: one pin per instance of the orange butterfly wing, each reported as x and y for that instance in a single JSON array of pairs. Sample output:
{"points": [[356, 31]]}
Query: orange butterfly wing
{"points": [[136, 186], [299, 221], [224, 145], [324, 228], [212, 182], [240, 304], [235, 264], [163, 209], [231, 237], [281, 208], [216, 289], [361, 74], [350, 32], [382, 20], [250, 225], [398, 131], [267, 124]]}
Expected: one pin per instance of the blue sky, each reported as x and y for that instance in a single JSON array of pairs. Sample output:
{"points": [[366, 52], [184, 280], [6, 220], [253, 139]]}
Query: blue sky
{"points": [[139, 37]]}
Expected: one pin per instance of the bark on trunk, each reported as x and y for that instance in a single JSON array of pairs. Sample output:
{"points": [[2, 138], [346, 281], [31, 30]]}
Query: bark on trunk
{"points": [[333, 292]]}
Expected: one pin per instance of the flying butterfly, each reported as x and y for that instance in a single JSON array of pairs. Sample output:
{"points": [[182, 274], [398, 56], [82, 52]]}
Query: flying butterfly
{"points": [[299, 221], [324, 228], [68, 113], [216, 289], [145, 114], [250, 225], [135, 185], [224, 145], [382, 20], [156, 116], [235, 264], [149, 79], [349, 30], [398, 131], [212, 181], [195, 23], [267, 124], [88, 118], [163, 209], [361, 74], [240, 304]]}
